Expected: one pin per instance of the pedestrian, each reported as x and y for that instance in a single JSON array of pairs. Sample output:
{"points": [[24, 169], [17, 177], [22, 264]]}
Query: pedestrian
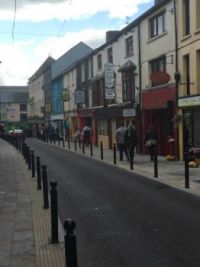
{"points": [[66, 127], [131, 140], [86, 133], [120, 135], [151, 140]]}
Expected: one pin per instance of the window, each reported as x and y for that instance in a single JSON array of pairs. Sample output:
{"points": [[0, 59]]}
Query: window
{"points": [[157, 25], [110, 55], [186, 73], [186, 16], [23, 107], [128, 86], [103, 127], [157, 65], [197, 14], [23, 117], [98, 93], [129, 46], [99, 62]]}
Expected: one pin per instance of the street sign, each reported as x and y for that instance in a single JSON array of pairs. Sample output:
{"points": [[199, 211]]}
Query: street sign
{"points": [[129, 112]]}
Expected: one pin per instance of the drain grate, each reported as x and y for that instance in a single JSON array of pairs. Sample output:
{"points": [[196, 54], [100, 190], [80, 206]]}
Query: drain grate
{"points": [[196, 181]]}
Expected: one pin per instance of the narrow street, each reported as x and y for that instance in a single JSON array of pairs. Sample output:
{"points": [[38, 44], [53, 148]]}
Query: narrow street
{"points": [[122, 219]]}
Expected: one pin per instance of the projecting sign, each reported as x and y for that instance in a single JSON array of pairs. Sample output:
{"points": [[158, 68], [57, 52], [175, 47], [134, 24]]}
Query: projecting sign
{"points": [[109, 81], [80, 97], [129, 112]]}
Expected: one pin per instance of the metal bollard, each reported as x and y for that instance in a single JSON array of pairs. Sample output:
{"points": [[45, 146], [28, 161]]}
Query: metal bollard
{"points": [[54, 212], [75, 145], [101, 149], [114, 154], [33, 163], [38, 173], [70, 243], [83, 147], [29, 157], [155, 163], [63, 141], [68, 141], [45, 187], [187, 175], [91, 149], [131, 157]]}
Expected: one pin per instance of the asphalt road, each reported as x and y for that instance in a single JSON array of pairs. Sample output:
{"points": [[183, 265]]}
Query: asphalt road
{"points": [[123, 219]]}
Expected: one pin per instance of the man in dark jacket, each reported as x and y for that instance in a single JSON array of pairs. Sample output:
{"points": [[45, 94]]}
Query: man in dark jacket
{"points": [[131, 140], [151, 140]]}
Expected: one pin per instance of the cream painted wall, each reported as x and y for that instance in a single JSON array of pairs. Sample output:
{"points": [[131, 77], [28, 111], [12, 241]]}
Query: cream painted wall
{"points": [[163, 44]]}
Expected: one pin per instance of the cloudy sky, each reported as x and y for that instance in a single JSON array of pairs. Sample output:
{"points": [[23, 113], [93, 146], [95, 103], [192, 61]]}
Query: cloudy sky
{"points": [[31, 30]]}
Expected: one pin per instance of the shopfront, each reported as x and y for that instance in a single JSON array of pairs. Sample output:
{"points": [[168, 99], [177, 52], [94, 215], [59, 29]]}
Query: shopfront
{"points": [[158, 109]]}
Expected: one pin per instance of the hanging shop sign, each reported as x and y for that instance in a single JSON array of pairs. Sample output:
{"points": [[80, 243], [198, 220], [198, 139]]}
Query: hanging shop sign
{"points": [[109, 81], [65, 95], [160, 77], [80, 97]]}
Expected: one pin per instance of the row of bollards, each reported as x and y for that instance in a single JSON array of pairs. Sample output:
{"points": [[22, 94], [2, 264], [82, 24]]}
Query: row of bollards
{"points": [[42, 183]]}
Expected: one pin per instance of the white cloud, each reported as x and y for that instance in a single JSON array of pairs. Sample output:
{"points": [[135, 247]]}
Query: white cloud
{"points": [[20, 61], [42, 10]]}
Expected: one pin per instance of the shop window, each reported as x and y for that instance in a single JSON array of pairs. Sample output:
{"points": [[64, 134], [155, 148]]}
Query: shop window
{"points": [[99, 62], [103, 127], [186, 74], [129, 46], [128, 86], [157, 25], [186, 17], [197, 14], [110, 55], [157, 65]]}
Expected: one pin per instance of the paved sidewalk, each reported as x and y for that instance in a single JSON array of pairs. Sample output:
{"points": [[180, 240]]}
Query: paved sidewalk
{"points": [[169, 172], [24, 225]]}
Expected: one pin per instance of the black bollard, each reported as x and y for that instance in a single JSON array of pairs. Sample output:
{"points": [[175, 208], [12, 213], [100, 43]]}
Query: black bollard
{"points": [[38, 173], [33, 163], [54, 212], [101, 148], [70, 243], [131, 157], [155, 163], [29, 157], [68, 141], [83, 147], [187, 175], [45, 187], [91, 149], [58, 140], [114, 154], [63, 141], [75, 145]]}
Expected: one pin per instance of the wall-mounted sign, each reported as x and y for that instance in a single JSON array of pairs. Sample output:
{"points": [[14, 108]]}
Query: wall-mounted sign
{"points": [[80, 97], [129, 112], [65, 95], [160, 77], [109, 81], [189, 101]]}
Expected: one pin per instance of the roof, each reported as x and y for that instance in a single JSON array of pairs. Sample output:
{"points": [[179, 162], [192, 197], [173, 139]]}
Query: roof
{"points": [[13, 94], [42, 68], [70, 57]]}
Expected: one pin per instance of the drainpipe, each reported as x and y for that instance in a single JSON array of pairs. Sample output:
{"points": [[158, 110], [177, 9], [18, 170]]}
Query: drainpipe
{"points": [[140, 89], [176, 74]]}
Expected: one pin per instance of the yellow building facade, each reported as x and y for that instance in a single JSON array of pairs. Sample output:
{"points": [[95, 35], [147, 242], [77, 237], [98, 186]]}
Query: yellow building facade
{"points": [[188, 116]]}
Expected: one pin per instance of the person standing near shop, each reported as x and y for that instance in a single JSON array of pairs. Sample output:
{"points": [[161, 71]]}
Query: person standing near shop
{"points": [[151, 140], [131, 140], [120, 135]]}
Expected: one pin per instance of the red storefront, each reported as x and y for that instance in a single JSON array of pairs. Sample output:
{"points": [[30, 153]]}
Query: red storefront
{"points": [[158, 109]]}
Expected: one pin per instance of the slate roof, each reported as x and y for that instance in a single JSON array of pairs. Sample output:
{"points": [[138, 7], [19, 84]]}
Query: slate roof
{"points": [[13, 94]]}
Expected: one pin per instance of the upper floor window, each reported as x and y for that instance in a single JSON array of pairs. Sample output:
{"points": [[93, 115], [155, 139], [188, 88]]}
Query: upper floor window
{"points": [[186, 16], [197, 14], [23, 107], [186, 73], [110, 55], [157, 25], [99, 62], [129, 46], [128, 85], [156, 65]]}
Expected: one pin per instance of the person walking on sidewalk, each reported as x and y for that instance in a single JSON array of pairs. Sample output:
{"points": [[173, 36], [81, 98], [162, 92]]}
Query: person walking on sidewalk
{"points": [[151, 140], [120, 134], [131, 140]]}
